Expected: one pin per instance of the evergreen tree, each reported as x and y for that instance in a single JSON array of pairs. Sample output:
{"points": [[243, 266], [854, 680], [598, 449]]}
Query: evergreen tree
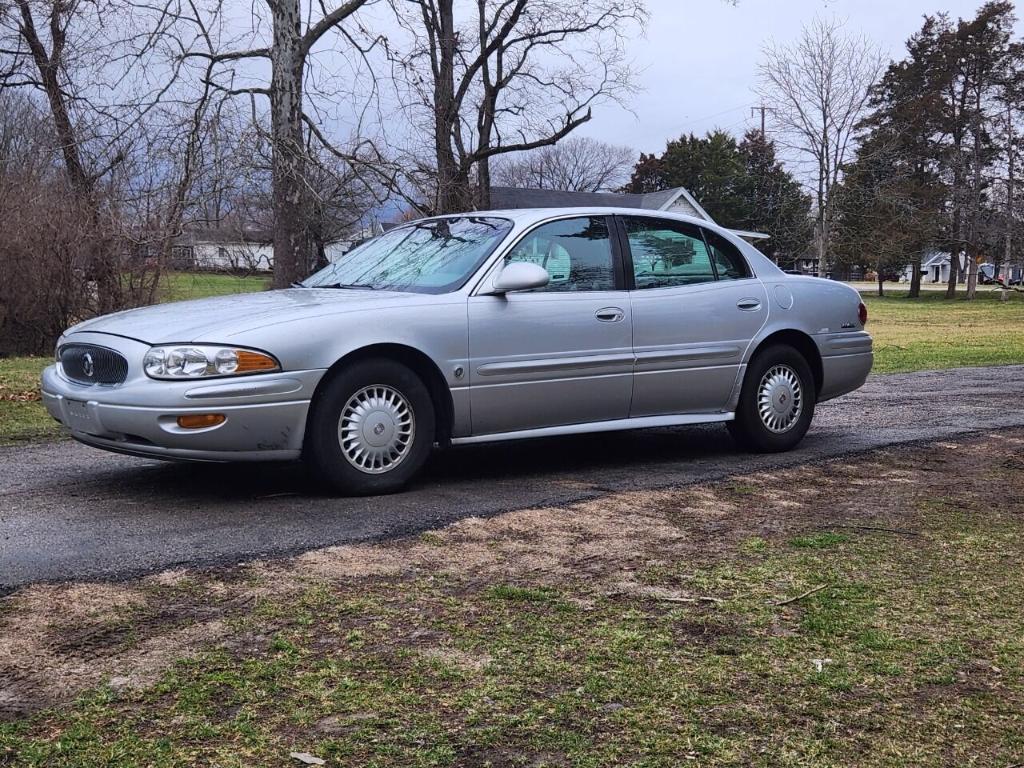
{"points": [[742, 186], [929, 147], [648, 175], [775, 202]]}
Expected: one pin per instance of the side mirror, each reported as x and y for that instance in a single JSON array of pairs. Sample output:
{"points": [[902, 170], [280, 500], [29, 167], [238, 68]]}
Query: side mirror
{"points": [[520, 276]]}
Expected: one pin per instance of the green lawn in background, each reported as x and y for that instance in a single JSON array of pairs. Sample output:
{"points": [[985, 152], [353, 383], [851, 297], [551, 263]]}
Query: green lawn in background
{"points": [[181, 286], [935, 332]]}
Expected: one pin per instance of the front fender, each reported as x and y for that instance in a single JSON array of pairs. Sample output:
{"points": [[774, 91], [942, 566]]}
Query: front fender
{"points": [[437, 329]]}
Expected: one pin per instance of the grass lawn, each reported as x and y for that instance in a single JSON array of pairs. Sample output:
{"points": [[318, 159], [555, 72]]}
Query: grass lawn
{"points": [[866, 612], [910, 335], [935, 332], [22, 416], [180, 286]]}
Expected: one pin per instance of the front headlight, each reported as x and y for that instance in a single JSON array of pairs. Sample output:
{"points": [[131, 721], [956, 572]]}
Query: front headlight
{"points": [[199, 360]]}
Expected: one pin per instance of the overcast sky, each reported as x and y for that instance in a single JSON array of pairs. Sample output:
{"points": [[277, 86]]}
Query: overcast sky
{"points": [[699, 59]]}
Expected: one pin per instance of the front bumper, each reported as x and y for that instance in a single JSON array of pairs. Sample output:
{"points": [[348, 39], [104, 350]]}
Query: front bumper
{"points": [[265, 414]]}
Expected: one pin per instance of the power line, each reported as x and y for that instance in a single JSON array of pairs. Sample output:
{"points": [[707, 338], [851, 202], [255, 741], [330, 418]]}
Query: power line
{"points": [[711, 117]]}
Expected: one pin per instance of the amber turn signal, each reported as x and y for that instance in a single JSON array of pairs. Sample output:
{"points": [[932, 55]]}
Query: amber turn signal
{"points": [[254, 361], [200, 420]]}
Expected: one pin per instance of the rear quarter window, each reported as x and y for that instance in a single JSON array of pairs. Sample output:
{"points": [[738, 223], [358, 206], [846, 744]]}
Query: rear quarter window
{"points": [[729, 262]]}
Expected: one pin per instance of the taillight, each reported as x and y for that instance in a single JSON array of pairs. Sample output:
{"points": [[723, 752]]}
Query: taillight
{"points": [[862, 313]]}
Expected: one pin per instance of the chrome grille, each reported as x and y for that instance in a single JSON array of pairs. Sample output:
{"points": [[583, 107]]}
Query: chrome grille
{"points": [[88, 364]]}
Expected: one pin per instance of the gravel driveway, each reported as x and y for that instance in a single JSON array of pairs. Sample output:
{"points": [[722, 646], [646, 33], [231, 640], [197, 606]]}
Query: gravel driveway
{"points": [[71, 512]]}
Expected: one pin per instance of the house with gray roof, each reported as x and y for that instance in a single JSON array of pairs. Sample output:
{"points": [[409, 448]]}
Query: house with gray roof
{"points": [[676, 200]]}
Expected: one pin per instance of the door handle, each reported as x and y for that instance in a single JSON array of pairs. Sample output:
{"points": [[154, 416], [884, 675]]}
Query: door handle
{"points": [[610, 315], [748, 305]]}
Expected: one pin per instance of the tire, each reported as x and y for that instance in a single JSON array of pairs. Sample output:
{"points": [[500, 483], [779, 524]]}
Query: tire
{"points": [[776, 368], [384, 415]]}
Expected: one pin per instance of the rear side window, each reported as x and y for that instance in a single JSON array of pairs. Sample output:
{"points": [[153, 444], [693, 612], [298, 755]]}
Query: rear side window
{"points": [[577, 253], [727, 257], [667, 253]]}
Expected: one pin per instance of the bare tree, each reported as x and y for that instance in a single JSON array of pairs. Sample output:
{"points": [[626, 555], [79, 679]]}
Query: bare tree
{"points": [[818, 89], [515, 75], [124, 139], [95, 67], [578, 163], [236, 67]]}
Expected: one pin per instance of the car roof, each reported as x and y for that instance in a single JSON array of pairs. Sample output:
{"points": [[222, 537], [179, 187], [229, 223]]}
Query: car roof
{"points": [[530, 215]]}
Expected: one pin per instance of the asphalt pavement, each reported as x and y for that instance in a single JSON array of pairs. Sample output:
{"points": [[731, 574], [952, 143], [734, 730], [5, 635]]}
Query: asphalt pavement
{"points": [[69, 512]]}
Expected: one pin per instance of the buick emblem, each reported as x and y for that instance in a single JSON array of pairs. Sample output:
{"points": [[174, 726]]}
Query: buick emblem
{"points": [[88, 366], [379, 429]]}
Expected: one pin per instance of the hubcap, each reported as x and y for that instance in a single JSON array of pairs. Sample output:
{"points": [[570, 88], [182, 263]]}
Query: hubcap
{"points": [[780, 399], [376, 429]]}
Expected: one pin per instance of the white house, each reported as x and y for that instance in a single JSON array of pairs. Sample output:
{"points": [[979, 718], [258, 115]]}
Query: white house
{"points": [[934, 267], [242, 249], [247, 249]]}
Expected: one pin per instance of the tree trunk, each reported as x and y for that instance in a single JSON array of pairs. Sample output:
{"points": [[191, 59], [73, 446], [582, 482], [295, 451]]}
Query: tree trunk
{"points": [[954, 266], [915, 278], [452, 187], [881, 283], [483, 180], [972, 275], [819, 228], [292, 260], [1004, 295]]}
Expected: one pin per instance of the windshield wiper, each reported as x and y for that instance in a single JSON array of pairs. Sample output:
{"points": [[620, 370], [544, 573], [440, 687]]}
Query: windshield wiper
{"points": [[350, 286]]}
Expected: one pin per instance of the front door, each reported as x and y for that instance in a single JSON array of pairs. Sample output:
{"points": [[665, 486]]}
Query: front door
{"points": [[558, 355], [696, 308]]}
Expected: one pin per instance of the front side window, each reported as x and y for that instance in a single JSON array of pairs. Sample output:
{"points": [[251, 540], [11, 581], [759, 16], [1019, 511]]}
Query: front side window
{"points": [[727, 257], [429, 256], [577, 253], [667, 254]]}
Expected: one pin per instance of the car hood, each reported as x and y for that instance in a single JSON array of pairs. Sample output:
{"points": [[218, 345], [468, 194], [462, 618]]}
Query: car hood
{"points": [[217, 319]]}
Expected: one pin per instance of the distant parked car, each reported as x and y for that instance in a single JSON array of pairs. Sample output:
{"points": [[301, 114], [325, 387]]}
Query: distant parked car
{"points": [[467, 329]]}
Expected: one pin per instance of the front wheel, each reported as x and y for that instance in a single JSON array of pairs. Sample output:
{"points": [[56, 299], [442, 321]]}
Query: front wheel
{"points": [[370, 429], [777, 401]]}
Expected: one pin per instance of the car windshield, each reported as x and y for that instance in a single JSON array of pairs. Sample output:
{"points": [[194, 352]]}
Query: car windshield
{"points": [[429, 256]]}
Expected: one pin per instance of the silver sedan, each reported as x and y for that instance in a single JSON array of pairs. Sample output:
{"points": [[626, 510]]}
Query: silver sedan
{"points": [[471, 328]]}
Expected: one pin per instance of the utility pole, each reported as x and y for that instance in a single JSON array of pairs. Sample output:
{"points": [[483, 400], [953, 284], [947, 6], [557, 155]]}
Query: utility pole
{"points": [[764, 111]]}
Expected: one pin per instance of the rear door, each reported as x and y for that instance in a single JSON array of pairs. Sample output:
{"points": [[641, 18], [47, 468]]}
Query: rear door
{"points": [[696, 307], [558, 355]]}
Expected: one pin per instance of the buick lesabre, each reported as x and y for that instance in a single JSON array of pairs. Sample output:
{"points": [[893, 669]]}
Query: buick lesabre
{"points": [[470, 328]]}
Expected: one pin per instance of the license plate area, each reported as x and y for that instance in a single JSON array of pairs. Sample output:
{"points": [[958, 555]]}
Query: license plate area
{"points": [[79, 415]]}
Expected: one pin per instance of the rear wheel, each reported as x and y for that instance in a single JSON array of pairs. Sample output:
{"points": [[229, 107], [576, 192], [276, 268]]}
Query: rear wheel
{"points": [[777, 401], [370, 429]]}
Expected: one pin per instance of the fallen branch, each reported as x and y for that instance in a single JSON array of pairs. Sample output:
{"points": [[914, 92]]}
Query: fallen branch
{"points": [[808, 593], [701, 599], [900, 531]]}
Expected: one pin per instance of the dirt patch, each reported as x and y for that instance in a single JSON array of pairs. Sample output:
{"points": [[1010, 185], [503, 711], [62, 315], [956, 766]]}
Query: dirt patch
{"points": [[57, 641]]}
